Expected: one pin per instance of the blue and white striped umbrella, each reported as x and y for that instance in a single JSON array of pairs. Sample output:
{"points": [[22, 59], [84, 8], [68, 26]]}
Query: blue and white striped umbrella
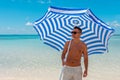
{"points": [[56, 26]]}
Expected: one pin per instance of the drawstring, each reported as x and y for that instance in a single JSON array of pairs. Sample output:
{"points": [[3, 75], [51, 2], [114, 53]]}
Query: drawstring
{"points": [[65, 59]]}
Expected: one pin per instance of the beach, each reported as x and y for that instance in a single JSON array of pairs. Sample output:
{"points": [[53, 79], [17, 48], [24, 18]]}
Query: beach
{"points": [[28, 58]]}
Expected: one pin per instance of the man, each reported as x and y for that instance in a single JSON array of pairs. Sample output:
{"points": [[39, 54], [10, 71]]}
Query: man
{"points": [[72, 66]]}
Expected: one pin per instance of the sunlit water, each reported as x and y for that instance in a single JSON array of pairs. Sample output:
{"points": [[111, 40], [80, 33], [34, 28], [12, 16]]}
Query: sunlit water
{"points": [[27, 58]]}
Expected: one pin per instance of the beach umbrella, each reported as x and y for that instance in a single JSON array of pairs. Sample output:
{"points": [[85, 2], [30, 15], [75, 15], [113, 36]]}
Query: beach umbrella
{"points": [[55, 27]]}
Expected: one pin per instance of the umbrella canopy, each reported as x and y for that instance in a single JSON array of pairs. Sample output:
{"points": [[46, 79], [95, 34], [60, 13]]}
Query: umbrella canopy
{"points": [[56, 26]]}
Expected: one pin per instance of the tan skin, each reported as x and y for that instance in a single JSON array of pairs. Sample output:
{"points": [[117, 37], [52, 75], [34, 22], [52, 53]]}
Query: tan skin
{"points": [[77, 49]]}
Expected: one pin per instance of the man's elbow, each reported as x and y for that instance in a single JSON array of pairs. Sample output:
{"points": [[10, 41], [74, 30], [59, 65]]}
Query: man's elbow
{"points": [[86, 58]]}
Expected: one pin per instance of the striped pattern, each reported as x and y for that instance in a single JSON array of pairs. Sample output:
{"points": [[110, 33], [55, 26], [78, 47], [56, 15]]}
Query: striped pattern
{"points": [[55, 27]]}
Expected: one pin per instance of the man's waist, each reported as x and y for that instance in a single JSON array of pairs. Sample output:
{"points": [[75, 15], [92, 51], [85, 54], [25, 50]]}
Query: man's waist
{"points": [[72, 66]]}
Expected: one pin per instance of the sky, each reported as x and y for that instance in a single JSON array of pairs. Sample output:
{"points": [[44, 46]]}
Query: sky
{"points": [[18, 16]]}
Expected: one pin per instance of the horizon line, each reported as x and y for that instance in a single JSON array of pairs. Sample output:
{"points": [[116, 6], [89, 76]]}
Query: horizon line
{"points": [[33, 34]]}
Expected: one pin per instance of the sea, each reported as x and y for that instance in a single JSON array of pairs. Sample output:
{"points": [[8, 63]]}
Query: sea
{"points": [[26, 57]]}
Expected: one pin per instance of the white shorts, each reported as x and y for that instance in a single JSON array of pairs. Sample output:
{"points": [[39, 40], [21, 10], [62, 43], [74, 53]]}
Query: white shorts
{"points": [[72, 73]]}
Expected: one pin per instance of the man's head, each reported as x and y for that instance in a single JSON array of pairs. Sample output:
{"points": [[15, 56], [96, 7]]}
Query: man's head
{"points": [[76, 32]]}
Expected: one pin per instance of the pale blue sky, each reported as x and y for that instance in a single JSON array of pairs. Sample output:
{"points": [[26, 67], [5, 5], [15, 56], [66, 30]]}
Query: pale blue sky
{"points": [[16, 16]]}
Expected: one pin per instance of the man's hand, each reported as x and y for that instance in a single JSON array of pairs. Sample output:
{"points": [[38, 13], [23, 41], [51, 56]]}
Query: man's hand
{"points": [[85, 61], [85, 73]]}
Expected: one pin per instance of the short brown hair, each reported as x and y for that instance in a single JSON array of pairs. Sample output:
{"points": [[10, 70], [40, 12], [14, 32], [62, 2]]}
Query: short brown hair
{"points": [[78, 29]]}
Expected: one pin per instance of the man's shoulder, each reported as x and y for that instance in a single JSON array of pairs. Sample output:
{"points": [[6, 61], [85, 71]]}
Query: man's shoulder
{"points": [[83, 44], [67, 42]]}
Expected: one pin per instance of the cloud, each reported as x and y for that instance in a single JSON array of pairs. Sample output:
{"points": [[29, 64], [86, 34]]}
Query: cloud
{"points": [[114, 24], [32, 1], [29, 24], [44, 1]]}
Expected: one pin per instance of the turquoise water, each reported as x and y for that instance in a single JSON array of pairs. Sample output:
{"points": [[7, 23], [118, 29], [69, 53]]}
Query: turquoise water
{"points": [[25, 57], [11, 37]]}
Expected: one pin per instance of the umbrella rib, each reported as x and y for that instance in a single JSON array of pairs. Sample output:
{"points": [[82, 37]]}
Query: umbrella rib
{"points": [[55, 27]]}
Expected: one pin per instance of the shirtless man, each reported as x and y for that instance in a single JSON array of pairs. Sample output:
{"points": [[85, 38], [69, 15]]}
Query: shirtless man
{"points": [[72, 67]]}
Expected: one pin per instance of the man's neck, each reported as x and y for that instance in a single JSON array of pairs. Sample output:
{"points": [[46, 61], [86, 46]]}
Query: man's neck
{"points": [[76, 40]]}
